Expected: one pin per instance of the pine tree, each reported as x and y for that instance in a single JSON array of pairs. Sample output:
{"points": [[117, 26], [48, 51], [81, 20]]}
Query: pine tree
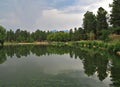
{"points": [[102, 19], [89, 22], [115, 13], [2, 35]]}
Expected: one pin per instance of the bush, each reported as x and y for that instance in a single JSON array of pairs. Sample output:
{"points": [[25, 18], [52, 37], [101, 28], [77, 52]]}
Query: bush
{"points": [[114, 47], [105, 35], [117, 47]]}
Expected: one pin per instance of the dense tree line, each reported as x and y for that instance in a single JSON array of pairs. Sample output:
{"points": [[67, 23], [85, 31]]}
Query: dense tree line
{"points": [[25, 36], [39, 35], [94, 27]]}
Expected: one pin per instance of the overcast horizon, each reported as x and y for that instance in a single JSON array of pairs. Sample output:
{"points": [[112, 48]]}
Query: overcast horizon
{"points": [[47, 14]]}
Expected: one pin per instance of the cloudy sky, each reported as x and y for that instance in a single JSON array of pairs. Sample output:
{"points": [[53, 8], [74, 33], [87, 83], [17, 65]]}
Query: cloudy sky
{"points": [[47, 14]]}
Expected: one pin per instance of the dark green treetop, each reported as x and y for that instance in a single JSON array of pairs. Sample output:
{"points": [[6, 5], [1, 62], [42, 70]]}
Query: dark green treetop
{"points": [[2, 33], [115, 13], [89, 21], [102, 19]]}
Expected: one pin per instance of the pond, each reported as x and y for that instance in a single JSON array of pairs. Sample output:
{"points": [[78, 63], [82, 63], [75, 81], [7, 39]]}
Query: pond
{"points": [[51, 66]]}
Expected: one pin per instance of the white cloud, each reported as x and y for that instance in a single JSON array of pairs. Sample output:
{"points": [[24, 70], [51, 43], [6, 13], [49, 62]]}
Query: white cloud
{"points": [[90, 6], [103, 3], [56, 19]]}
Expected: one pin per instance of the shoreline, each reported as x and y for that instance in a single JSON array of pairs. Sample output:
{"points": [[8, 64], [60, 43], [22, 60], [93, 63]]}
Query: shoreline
{"points": [[25, 43], [111, 47]]}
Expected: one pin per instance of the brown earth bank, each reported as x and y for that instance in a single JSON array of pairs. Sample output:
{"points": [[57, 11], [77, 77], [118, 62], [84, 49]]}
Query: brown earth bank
{"points": [[118, 53]]}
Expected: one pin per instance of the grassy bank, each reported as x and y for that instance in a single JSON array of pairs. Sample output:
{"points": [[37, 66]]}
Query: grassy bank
{"points": [[113, 47]]}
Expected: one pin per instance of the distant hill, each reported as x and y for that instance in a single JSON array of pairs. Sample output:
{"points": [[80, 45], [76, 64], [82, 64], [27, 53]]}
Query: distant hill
{"points": [[59, 30]]}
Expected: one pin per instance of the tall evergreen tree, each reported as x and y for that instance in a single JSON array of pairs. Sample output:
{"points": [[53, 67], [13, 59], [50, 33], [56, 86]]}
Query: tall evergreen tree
{"points": [[2, 34], [102, 19], [71, 34], [10, 36], [89, 22], [75, 34], [115, 15]]}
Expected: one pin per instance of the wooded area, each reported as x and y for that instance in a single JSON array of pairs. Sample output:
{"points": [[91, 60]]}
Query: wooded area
{"points": [[95, 27]]}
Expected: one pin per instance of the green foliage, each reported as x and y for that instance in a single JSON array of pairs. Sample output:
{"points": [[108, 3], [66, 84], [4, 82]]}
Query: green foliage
{"points": [[71, 34], [25, 36], [58, 36], [77, 34], [3, 57], [89, 22], [115, 30], [102, 19], [114, 47], [115, 15], [39, 35], [2, 33], [10, 36], [22, 36], [105, 35]]}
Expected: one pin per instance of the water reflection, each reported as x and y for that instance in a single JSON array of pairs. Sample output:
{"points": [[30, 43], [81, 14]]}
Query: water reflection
{"points": [[101, 64], [3, 57]]}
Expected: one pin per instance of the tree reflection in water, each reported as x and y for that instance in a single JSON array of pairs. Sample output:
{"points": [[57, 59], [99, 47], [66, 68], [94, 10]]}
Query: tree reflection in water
{"points": [[3, 57], [95, 62]]}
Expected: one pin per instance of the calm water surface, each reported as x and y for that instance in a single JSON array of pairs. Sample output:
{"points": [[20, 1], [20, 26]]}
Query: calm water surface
{"points": [[48, 66]]}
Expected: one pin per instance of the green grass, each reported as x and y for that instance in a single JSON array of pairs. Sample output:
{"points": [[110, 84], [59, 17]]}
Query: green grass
{"points": [[112, 47]]}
